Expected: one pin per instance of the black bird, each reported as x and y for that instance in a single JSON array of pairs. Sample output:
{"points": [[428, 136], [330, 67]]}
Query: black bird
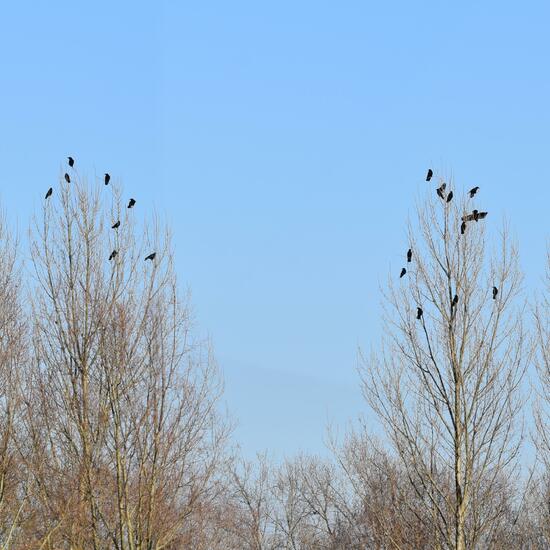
{"points": [[495, 292], [479, 215], [409, 255], [67, 178], [473, 191], [107, 178], [441, 190], [454, 301], [116, 225], [429, 174], [113, 254], [475, 215], [403, 271], [419, 312], [49, 193], [462, 228], [450, 197], [131, 203], [151, 256], [71, 161]]}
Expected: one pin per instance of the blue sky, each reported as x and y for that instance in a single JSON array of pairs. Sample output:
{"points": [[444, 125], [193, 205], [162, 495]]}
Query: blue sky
{"points": [[286, 143]]}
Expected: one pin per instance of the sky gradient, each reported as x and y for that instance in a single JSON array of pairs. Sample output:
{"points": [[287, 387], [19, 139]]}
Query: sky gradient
{"points": [[286, 143]]}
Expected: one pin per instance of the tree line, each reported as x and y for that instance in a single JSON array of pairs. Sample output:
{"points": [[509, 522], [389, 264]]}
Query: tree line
{"points": [[112, 437]]}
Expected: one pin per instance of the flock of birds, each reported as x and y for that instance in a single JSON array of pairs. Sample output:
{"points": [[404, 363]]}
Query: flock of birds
{"points": [[474, 216], [116, 225]]}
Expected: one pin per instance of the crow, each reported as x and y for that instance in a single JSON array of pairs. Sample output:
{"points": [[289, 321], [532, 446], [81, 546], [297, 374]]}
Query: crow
{"points": [[151, 256], [440, 190], [479, 215], [409, 255], [475, 215], [131, 203], [454, 301], [67, 178], [429, 174], [403, 271], [49, 193], [113, 254], [462, 228], [107, 178], [473, 191], [116, 225], [419, 312], [71, 161], [495, 292], [450, 197]]}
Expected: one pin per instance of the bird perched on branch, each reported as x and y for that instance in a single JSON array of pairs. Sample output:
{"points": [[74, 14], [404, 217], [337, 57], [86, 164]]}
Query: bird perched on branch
{"points": [[450, 197], [409, 255], [107, 178], [474, 216], [71, 161], [495, 292], [454, 301], [151, 256], [67, 178], [403, 271], [116, 225], [473, 191], [49, 193], [131, 203], [441, 190], [419, 312], [462, 228], [429, 174], [113, 254]]}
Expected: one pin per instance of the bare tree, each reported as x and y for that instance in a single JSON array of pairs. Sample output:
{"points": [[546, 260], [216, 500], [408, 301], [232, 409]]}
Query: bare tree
{"points": [[126, 435], [446, 385], [542, 406], [14, 486], [252, 508]]}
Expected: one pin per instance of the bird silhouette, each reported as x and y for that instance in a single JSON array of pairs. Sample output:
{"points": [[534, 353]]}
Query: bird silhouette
{"points": [[429, 174], [419, 312], [131, 203], [473, 191], [113, 254], [107, 178], [403, 271], [462, 228], [151, 256], [49, 193], [441, 190], [409, 255], [71, 161], [495, 292], [67, 178], [116, 225], [450, 197], [474, 216], [454, 301]]}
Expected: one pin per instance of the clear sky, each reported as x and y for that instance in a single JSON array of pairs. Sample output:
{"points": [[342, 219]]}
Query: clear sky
{"points": [[286, 143]]}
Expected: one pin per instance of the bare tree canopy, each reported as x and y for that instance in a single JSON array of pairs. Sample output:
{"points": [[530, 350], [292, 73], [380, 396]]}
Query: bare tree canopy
{"points": [[447, 388]]}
